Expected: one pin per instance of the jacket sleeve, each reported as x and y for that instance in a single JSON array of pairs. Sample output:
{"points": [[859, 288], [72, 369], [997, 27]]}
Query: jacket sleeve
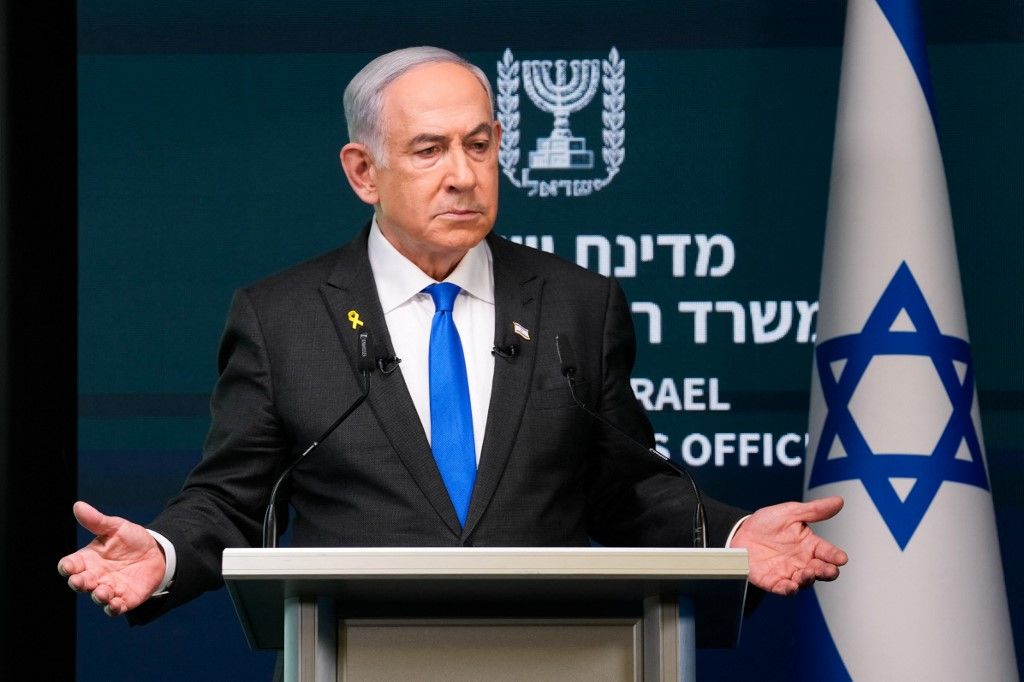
{"points": [[222, 501]]}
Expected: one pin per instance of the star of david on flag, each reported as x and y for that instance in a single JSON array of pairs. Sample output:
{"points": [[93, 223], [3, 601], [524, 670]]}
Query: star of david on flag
{"points": [[901, 484]]}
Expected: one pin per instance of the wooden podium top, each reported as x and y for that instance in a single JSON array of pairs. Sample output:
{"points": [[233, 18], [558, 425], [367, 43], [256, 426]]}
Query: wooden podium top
{"points": [[477, 581]]}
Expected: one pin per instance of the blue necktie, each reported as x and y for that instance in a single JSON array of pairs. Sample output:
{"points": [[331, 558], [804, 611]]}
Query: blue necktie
{"points": [[451, 420]]}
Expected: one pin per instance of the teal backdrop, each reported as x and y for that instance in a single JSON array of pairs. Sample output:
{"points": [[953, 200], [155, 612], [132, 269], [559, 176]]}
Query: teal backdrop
{"points": [[208, 140]]}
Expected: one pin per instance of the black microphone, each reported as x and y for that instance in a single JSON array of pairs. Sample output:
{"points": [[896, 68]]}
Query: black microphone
{"points": [[508, 352], [388, 365], [567, 360], [365, 365]]}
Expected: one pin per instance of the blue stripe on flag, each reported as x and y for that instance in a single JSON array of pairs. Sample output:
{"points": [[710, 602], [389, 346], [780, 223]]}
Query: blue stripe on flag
{"points": [[905, 18], [821, 657]]}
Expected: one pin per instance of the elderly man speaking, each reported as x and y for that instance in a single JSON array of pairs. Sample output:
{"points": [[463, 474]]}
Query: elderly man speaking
{"points": [[471, 435]]}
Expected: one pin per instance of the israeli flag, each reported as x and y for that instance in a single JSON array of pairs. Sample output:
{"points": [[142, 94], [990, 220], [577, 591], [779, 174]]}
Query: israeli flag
{"points": [[894, 423]]}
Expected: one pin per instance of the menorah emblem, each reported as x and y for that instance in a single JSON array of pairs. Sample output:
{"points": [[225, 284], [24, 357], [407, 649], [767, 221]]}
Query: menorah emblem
{"points": [[562, 91], [561, 97]]}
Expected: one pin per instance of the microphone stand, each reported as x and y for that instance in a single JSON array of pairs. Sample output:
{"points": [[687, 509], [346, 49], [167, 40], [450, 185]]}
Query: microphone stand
{"points": [[568, 368], [270, 516]]}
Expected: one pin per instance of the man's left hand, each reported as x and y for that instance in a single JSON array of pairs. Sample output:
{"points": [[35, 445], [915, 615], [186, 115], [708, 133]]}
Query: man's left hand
{"points": [[784, 554]]}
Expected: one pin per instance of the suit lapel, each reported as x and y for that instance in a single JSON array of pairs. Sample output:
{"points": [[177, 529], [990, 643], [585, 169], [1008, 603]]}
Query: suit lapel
{"points": [[517, 291], [350, 287]]}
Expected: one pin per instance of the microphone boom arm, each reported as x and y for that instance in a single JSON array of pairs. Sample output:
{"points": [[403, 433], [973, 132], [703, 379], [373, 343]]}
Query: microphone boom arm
{"points": [[365, 369], [568, 369]]}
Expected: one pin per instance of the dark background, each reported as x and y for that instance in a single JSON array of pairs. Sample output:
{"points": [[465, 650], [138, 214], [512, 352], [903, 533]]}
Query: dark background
{"points": [[38, 313], [158, 154]]}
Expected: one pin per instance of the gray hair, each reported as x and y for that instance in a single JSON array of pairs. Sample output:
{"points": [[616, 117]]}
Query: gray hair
{"points": [[364, 96]]}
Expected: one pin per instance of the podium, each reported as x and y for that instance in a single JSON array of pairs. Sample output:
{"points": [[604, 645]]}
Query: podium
{"points": [[492, 614]]}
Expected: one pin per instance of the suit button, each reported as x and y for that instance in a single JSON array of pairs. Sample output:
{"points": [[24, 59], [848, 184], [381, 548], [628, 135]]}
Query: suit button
{"points": [[467, 543]]}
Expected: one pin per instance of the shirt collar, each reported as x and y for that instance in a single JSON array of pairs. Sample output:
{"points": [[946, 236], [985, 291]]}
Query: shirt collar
{"points": [[474, 274]]}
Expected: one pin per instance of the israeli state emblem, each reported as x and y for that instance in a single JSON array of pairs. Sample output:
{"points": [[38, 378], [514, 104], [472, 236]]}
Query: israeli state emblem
{"points": [[562, 163]]}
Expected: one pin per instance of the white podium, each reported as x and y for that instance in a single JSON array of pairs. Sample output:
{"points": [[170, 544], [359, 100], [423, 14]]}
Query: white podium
{"points": [[492, 614]]}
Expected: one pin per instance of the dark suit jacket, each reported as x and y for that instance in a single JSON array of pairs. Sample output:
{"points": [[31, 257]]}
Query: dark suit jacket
{"points": [[549, 474]]}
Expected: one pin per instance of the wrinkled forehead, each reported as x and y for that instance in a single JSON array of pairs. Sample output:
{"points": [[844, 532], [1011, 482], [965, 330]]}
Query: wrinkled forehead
{"points": [[436, 94]]}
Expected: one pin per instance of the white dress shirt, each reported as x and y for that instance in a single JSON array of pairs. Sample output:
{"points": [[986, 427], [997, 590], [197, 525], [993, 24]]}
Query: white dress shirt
{"points": [[408, 313]]}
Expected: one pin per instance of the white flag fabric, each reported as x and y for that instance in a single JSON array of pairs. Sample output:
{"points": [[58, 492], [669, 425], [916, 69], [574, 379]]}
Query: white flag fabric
{"points": [[894, 424]]}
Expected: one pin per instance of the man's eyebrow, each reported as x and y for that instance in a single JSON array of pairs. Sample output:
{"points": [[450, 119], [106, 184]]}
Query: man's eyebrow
{"points": [[434, 138], [482, 128], [425, 138]]}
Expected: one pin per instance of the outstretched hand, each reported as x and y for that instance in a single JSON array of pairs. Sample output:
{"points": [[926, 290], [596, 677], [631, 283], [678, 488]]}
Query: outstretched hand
{"points": [[121, 567], [784, 554]]}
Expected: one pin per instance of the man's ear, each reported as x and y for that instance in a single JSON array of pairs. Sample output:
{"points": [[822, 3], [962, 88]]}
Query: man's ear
{"points": [[359, 168]]}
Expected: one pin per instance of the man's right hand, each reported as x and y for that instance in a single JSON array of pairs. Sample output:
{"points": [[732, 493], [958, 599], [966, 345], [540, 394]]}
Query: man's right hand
{"points": [[121, 567]]}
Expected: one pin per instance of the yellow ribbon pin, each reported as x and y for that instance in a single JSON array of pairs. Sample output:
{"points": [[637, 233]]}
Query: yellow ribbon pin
{"points": [[353, 317]]}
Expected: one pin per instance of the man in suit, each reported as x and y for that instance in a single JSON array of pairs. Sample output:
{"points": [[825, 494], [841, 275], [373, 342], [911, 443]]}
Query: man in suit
{"points": [[536, 469]]}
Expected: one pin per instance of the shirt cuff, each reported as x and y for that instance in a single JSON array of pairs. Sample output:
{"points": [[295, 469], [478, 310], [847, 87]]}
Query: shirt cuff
{"points": [[170, 563], [728, 540]]}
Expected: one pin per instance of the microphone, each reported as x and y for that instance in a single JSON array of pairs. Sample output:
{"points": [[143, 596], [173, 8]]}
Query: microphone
{"points": [[567, 361], [365, 365], [508, 352], [388, 365]]}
